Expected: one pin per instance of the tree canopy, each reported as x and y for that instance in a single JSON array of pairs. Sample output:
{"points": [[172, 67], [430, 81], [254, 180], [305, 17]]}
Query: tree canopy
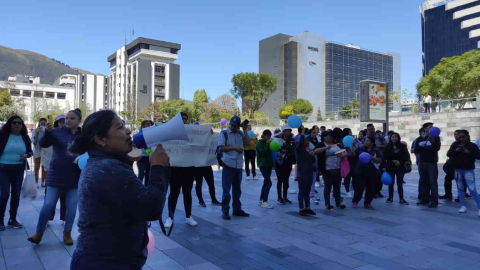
{"points": [[351, 110], [454, 77], [199, 98], [300, 107], [172, 107], [254, 90]]}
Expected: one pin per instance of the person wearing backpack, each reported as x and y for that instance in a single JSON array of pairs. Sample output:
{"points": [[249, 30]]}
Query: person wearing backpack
{"points": [[231, 149]]}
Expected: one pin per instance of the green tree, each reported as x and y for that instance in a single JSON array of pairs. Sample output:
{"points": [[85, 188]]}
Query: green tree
{"points": [[351, 110], [200, 98], [300, 107], [54, 111], [8, 111], [254, 90], [319, 115], [172, 107], [454, 77], [5, 98], [152, 112]]}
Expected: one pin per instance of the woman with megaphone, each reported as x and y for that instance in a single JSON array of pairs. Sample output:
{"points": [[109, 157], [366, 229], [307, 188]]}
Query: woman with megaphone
{"points": [[114, 206]]}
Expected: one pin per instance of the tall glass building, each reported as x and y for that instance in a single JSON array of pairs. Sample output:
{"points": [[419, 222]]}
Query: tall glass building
{"points": [[449, 28], [325, 73]]}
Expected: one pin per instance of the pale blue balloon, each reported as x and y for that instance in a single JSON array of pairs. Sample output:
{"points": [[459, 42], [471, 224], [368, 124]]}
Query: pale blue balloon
{"points": [[251, 134], [294, 121], [82, 161], [348, 141]]}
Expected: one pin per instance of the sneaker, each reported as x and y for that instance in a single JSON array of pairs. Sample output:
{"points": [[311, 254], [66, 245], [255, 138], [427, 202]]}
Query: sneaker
{"points": [[202, 204], [380, 195], [317, 184], [168, 223], [241, 213], [191, 222], [266, 205], [463, 209], [260, 202], [303, 213], [216, 202], [349, 195], [468, 195], [291, 191], [309, 211], [402, 201], [341, 206], [446, 197], [248, 177], [281, 201], [287, 201], [329, 207], [369, 206], [255, 178], [15, 224], [354, 205], [226, 216], [314, 200], [457, 200], [390, 200]]}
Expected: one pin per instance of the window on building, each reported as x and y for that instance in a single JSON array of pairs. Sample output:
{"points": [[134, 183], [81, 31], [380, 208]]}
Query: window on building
{"points": [[27, 93], [61, 95], [160, 69], [50, 94], [15, 92], [38, 94]]}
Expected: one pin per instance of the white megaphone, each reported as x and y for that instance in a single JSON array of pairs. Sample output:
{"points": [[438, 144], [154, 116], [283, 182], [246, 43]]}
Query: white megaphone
{"points": [[155, 135]]}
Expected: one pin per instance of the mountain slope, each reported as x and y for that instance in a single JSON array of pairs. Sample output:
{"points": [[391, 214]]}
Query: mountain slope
{"points": [[14, 61]]}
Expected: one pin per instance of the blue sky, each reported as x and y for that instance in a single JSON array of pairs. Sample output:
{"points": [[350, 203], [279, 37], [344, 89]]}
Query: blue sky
{"points": [[219, 38]]}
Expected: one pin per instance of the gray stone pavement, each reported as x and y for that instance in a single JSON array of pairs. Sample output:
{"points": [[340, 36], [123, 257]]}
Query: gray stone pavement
{"points": [[392, 237]]}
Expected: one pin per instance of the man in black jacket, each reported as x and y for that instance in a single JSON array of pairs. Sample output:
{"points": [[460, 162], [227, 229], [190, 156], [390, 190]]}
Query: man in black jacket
{"points": [[427, 148]]}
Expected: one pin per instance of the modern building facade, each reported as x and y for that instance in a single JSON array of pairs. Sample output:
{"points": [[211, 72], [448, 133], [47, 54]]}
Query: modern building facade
{"points": [[449, 28], [40, 97], [20, 78], [90, 89], [143, 72], [327, 74]]}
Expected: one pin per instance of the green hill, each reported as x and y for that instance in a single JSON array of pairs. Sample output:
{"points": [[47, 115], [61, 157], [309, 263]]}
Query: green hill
{"points": [[13, 61]]}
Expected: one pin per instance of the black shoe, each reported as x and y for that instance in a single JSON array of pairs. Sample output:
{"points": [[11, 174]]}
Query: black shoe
{"points": [[341, 206], [296, 179], [330, 207], [432, 205], [315, 191], [15, 224], [446, 197], [2, 226], [309, 211], [281, 201], [402, 201], [457, 200], [226, 216], [303, 213], [389, 200], [375, 196], [287, 201], [241, 213], [404, 182], [422, 203], [380, 195], [202, 204], [468, 195], [216, 202]]}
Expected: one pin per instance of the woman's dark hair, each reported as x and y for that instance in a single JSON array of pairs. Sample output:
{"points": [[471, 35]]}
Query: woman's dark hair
{"points": [[98, 123], [372, 139], [144, 122], [326, 133], [466, 133], [346, 132], [337, 134], [391, 143], [8, 126], [363, 133], [42, 119], [78, 112], [267, 133]]}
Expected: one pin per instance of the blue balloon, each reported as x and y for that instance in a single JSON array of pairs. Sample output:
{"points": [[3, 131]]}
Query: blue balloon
{"points": [[274, 156], [251, 134], [294, 121], [365, 158], [387, 178], [82, 161], [348, 141], [434, 132]]}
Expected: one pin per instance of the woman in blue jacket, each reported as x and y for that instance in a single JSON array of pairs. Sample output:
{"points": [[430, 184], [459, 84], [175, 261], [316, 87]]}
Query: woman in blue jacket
{"points": [[63, 175], [114, 206], [15, 148]]}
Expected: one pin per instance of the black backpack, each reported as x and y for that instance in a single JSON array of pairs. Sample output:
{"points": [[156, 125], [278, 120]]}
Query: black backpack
{"points": [[218, 153]]}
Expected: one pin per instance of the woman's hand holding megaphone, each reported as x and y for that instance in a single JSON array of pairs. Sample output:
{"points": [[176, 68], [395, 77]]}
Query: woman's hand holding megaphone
{"points": [[159, 157]]}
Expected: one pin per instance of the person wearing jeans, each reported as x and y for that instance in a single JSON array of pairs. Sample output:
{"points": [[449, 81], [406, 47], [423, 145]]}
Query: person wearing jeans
{"points": [[250, 155], [37, 151], [265, 162], [232, 157], [463, 155], [427, 100], [63, 175], [15, 148], [427, 148]]}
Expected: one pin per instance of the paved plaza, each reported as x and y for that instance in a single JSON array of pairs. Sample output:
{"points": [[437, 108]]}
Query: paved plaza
{"points": [[394, 236]]}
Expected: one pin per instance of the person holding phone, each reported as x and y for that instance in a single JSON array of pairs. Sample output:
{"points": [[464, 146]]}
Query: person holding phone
{"points": [[37, 151], [15, 148]]}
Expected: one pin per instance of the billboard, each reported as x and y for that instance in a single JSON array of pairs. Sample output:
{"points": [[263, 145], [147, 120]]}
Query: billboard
{"points": [[373, 101]]}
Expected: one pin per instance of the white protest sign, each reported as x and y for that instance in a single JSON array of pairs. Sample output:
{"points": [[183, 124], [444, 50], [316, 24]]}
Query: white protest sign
{"points": [[212, 151]]}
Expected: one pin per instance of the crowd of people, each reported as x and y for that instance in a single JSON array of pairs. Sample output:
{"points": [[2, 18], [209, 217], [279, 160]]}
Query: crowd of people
{"points": [[116, 205]]}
